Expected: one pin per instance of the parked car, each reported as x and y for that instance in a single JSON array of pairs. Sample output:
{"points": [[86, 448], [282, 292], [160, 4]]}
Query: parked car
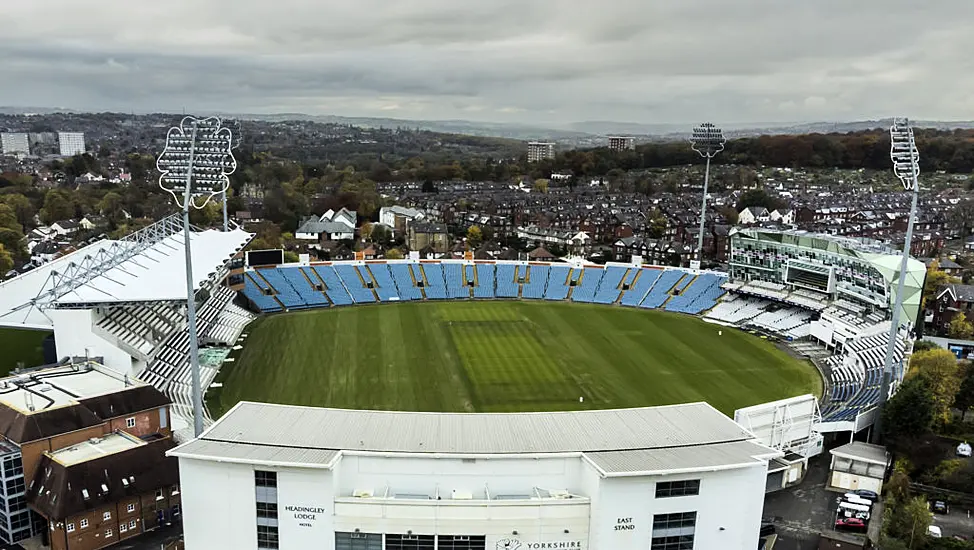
{"points": [[935, 532], [850, 524], [964, 449], [939, 507], [867, 494]]}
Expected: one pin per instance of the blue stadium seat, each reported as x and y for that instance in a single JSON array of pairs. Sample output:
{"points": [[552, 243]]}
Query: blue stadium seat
{"points": [[385, 287], [608, 291], [557, 282], [637, 292], [355, 284], [334, 287], [661, 290], [435, 283], [534, 289], [285, 292], [260, 300], [585, 292], [402, 273], [455, 287], [485, 281], [507, 287]]}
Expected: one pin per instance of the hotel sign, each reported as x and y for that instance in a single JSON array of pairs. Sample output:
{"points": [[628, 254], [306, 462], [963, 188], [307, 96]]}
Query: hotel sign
{"points": [[305, 514], [515, 544]]}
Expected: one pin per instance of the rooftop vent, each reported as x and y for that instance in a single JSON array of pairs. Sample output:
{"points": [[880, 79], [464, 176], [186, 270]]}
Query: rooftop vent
{"points": [[362, 493], [460, 494]]}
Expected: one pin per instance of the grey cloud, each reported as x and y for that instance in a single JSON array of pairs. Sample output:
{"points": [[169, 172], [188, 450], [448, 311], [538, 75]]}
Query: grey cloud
{"points": [[550, 61]]}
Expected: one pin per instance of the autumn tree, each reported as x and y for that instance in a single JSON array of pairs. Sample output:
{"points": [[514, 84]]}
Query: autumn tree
{"points": [[940, 370], [964, 399], [393, 254], [474, 236], [6, 261], [366, 231], [960, 327], [541, 185], [22, 208]]}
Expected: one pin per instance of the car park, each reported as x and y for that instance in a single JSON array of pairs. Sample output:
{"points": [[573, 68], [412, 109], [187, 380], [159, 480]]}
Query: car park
{"points": [[939, 507]]}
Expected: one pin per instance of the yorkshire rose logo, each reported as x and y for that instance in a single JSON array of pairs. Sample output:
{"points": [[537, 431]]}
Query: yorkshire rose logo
{"points": [[508, 544]]}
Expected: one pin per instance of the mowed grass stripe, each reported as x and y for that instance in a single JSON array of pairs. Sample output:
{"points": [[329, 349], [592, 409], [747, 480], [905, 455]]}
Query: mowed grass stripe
{"points": [[506, 356]]}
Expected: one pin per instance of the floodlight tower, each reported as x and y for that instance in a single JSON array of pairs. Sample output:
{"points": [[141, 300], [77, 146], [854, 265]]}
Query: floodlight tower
{"points": [[906, 166], [194, 168], [707, 140]]}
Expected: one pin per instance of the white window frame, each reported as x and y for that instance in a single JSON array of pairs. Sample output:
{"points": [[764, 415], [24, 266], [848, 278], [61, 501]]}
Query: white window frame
{"points": [[84, 523], [106, 516], [130, 507], [108, 533], [123, 527], [130, 422], [71, 528], [132, 525]]}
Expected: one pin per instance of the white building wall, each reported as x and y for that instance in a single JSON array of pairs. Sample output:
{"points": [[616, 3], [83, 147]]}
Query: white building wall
{"points": [[75, 337], [308, 491], [71, 143], [219, 505], [729, 509]]}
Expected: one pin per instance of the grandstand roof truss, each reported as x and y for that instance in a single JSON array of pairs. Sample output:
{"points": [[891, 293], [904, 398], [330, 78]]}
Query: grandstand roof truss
{"points": [[77, 274]]}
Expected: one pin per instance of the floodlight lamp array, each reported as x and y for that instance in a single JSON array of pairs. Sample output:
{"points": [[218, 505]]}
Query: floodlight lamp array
{"points": [[903, 152], [707, 139], [197, 153]]}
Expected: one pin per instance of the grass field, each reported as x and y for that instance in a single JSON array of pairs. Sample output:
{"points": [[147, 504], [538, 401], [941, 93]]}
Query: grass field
{"points": [[21, 346], [505, 356]]}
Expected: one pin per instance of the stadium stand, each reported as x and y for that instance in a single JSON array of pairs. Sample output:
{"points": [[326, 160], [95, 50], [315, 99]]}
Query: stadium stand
{"points": [[355, 284], [701, 295], [455, 286], [660, 292], [537, 282], [609, 291], [334, 288], [402, 274], [590, 278], [485, 282], [507, 286], [385, 286], [435, 282], [558, 288], [298, 280], [644, 282]]}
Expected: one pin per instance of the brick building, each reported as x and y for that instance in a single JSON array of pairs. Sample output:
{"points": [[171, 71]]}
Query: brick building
{"points": [[53, 410]]}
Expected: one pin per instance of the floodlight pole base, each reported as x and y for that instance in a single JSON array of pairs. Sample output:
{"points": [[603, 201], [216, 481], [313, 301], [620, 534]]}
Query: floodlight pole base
{"points": [[225, 225]]}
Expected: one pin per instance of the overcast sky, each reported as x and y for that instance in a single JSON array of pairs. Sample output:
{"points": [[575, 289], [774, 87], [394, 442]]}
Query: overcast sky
{"points": [[534, 61]]}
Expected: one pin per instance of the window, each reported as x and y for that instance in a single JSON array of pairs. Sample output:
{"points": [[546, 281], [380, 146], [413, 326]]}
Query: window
{"points": [[683, 488], [106, 516], [84, 523], [358, 541], [409, 542], [130, 508], [267, 537], [130, 422], [175, 490], [265, 479], [15, 486], [70, 528], [122, 528], [176, 511], [461, 542], [108, 533], [159, 494], [674, 531], [84, 494], [266, 510], [132, 525]]}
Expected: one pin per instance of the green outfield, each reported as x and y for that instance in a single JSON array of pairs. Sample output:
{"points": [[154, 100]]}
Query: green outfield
{"points": [[505, 356]]}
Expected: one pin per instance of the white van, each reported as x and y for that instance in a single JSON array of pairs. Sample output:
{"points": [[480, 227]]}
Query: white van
{"points": [[856, 499], [853, 510]]}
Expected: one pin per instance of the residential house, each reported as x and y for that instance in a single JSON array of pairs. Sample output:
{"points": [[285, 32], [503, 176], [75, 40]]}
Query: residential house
{"points": [[951, 300], [428, 235], [541, 255], [330, 226], [399, 217], [66, 227], [753, 214]]}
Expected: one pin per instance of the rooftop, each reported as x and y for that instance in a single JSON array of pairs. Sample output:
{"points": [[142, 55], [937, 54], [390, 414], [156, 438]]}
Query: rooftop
{"points": [[620, 441], [95, 448], [866, 452], [54, 387]]}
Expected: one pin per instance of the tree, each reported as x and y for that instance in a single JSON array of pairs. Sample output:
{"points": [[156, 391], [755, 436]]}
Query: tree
{"points": [[964, 399], [909, 414], [381, 234], [541, 185], [6, 261], [907, 520], [22, 207], [393, 254], [366, 231], [111, 206], [960, 327], [657, 226], [58, 205], [935, 280], [475, 236], [429, 186], [758, 197], [939, 368]]}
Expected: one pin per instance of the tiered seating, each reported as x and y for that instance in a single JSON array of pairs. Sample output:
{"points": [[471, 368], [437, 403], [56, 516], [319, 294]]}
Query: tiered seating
{"points": [[638, 291], [585, 292], [507, 287], [354, 284], [253, 291], [141, 328], [538, 281], [485, 282], [699, 296], [781, 320], [455, 285], [557, 288], [608, 291], [334, 287], [229, 324], [737, 309], [860, 366], [436, 284], [661, 290], [299, 281], [385, 287], [283, 289], [404, 282]]}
